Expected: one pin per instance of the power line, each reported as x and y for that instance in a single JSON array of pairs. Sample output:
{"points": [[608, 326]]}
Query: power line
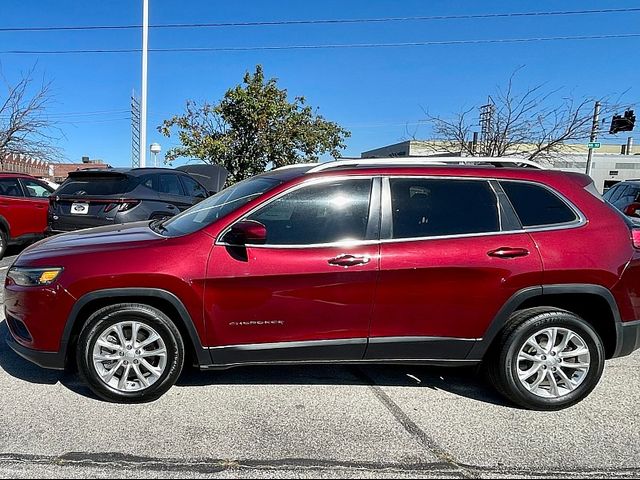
{"points": [[324, 21], [326, 46]]}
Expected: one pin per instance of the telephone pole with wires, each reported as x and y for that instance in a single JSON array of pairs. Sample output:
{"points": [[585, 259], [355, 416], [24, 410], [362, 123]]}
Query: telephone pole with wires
{"points": [[594, 136]]}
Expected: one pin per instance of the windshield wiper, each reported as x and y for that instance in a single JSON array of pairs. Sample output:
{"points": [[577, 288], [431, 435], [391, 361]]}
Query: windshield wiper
{"points": [[156, 226]]}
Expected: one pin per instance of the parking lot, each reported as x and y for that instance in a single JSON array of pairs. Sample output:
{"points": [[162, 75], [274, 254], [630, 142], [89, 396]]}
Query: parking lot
{"points": [[313, 421]]}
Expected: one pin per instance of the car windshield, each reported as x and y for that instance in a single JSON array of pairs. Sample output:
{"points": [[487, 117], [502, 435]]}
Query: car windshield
{"points": [[215, 207]]}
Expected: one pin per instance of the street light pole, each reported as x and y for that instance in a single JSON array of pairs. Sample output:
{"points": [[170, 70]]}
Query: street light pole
{"points": [[594, 135], [143, 101]]}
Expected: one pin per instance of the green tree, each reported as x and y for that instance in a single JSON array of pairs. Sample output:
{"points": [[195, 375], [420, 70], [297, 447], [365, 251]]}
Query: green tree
{"points": [[254, 126]]}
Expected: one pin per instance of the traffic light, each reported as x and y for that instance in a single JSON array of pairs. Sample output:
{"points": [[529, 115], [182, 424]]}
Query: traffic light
{"points": [[624, 123]]}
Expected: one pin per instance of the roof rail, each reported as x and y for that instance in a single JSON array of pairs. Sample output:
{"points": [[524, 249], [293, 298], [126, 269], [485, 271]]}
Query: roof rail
{"points": [[426, 161], [294, 165]]}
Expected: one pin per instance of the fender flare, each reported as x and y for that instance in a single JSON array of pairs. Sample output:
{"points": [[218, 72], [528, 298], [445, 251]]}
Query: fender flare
{"points": [[202, 355], [502, 317]]}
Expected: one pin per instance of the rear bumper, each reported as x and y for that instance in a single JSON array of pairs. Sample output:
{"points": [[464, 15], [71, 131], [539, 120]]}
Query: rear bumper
{"points": [[629, 340], [52, 360]]}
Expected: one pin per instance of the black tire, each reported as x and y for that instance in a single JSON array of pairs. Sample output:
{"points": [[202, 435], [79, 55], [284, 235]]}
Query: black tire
{"points": [[148, 316], [3, 243], [502, 364]]}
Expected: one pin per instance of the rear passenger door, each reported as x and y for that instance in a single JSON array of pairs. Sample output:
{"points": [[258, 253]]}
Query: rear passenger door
{"points": [[171, 191], [452, 254]]}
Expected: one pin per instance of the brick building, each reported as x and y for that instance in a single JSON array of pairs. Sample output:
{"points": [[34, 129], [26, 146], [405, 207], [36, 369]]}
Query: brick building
{"points": [[56, 172], [60, 171], [22, 164]]}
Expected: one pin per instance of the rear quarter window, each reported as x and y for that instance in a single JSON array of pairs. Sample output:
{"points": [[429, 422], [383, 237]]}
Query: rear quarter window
{"points": [[538, 206]]}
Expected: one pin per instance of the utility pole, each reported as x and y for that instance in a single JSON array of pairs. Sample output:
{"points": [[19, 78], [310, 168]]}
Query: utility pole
{"points": [[486, 119], [594, 135], [143, 100]]}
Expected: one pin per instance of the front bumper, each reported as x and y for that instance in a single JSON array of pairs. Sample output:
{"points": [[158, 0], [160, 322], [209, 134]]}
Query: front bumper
{"points": [[52, 360], [629, 338]]}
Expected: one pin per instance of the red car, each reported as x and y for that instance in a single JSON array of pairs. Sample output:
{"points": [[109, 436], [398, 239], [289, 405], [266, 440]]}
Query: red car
{"points": [[527, 271], [24, 202]]}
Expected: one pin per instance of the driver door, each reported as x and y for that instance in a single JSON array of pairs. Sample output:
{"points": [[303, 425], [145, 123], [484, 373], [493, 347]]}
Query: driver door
{"points": [[307, 293]]}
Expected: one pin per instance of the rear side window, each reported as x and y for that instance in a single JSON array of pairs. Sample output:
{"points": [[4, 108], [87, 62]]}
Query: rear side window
{"points": [[96, 186], [536, 205], [318, 214], [435, 207], [169, 184], [9, 187]]}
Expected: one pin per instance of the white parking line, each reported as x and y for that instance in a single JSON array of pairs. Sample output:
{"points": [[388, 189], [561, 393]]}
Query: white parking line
{"points": [[3, 268]]}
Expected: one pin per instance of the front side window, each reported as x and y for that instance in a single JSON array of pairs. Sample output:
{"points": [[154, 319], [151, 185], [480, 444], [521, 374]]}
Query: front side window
{"points": [[436, 207], [36, 189], [10, 187], [318, 214], [217, 206], [536, 205]]}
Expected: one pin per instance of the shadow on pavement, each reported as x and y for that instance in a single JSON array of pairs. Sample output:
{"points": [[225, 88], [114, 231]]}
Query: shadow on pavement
{"points": [[465, 382]]}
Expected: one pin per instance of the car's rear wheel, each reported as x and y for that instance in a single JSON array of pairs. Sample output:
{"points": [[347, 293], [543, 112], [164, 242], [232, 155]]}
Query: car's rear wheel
{"points": [[130, 353], [547, 359]]}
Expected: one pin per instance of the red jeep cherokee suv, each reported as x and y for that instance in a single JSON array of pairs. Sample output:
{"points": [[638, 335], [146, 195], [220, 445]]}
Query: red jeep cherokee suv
{"points": [[24, 202], [527, 271]]}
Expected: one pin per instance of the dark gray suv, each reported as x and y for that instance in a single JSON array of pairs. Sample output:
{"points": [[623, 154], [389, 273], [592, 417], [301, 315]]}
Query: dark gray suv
{"points": [[91, 198]]}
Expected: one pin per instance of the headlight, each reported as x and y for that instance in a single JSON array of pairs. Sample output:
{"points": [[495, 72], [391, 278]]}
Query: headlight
{"points": [[33, 277]]}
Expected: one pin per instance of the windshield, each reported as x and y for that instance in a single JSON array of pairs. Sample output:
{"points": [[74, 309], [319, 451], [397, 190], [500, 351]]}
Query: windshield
{"points": [[215, 207]]}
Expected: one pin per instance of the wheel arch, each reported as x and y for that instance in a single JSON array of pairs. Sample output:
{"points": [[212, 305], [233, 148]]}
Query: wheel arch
{"points": [[594, 303], [163, 300]]}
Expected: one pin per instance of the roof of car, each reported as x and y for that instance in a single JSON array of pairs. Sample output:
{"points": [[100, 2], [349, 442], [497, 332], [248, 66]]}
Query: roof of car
{"points": [[15, 174], [136, 172]]}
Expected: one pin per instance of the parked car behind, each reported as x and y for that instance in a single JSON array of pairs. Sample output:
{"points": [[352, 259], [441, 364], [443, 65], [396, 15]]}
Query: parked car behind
{"points": [[91, 198], [23, 209], [527, 271], [625, 196]]}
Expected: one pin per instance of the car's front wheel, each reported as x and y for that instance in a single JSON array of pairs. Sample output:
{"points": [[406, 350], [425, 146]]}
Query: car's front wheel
{"points": [[547, 359], [130, 353]]}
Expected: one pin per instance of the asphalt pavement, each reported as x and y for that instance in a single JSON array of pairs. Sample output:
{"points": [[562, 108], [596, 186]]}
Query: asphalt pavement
{"points": [[313, 422]]}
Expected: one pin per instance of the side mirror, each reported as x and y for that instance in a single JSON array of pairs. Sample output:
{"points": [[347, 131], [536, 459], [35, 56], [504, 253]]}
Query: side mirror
{"points": [[246, 232]]}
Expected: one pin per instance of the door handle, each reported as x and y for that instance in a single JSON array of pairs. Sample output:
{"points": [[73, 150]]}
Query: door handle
{"points": [[347, 260], [508, 252]]}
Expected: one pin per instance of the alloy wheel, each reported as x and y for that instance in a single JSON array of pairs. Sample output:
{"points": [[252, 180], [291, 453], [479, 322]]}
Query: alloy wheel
{"points": [[553, 362], [130, 356]]}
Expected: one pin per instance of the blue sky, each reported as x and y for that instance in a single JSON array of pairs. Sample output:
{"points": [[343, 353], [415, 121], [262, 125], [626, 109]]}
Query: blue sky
{"points": [[372, 92]]}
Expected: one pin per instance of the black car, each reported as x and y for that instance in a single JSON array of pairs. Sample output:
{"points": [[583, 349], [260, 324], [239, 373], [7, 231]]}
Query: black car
{"points": [[92, 198]]}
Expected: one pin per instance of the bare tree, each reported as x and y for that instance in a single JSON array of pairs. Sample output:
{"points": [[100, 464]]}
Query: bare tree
{"points": [[25, 127], [536, 124]]}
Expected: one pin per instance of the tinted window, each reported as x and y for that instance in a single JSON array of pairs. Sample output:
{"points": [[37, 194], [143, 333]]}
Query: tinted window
{"points": [[217, 206], [536, 205], [432, 207], [193, 188], [96, 186], [324, 213], [613, 193], [629, 195], [169, 184], [10, 187], [36, 189]]}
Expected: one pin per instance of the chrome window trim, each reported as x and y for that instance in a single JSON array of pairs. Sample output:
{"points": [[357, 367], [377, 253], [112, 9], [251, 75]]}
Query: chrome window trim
{"points": [[580, 221], [306, 183]]}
